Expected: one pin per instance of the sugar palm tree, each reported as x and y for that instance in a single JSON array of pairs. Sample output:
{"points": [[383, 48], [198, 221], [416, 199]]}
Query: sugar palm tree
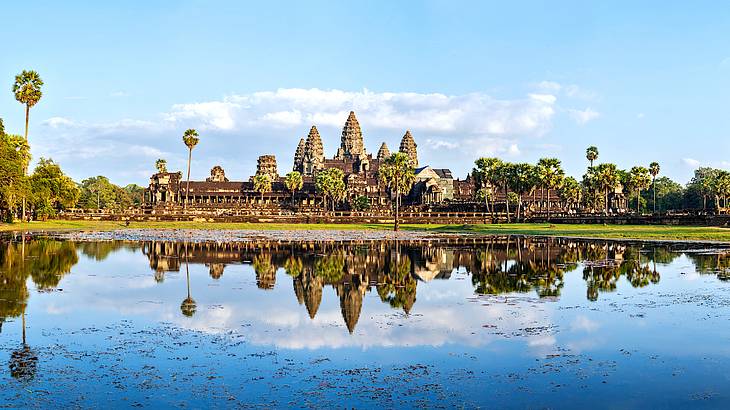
{"points": [[190, 138], [654, 171], [592, 154], [27, 90], [550, 174], [522, 181], [485, 176], [569, 191], [293, 182], [161, 165], [502, 176], [397, 174], [607, 179], [639, 180], [261, 184]]}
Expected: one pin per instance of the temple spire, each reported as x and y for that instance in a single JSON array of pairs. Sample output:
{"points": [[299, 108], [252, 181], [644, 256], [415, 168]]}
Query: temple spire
{"points": [[351, 145], [313, 152], [408, 146], [299, 156], [383, 152]]}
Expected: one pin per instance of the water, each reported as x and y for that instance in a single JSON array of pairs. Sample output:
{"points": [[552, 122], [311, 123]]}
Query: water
{"points": [[509, 322]]}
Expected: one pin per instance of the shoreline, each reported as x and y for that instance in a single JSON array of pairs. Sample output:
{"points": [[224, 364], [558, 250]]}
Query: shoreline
{"points": [[267, 231]]}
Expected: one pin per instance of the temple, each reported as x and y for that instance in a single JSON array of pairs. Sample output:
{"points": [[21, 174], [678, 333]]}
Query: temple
{"points": [[433, 188]]}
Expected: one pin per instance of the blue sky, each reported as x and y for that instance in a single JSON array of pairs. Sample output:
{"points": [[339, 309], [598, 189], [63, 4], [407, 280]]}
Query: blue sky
{"points": [[520, 80]]}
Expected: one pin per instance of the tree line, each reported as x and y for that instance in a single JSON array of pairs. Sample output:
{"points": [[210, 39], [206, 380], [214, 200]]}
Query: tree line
{"points": [[47, 190]]}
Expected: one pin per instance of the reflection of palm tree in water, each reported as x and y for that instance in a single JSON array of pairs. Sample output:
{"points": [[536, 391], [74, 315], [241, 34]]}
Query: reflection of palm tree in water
{"points": [[188, 305], [23, 362]]}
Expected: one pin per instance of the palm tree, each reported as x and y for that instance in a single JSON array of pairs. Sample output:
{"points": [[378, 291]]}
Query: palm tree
{"points": [[522, 181], [261, 184], [161, 166], [190, 138], [485, 176], [607, 179], [293, 182], [397, 174], [550, 174], [654, 171], [188, 305], [639, 179], [569, 191], [502, 175], [27, 90], [592, 154]]}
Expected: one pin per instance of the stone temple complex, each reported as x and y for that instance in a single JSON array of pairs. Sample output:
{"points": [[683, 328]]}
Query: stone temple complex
{"points": [[433, 188], [167, 190]]}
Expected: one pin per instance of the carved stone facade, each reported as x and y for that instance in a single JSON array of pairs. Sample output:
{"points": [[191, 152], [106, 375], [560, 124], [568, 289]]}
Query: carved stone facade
{"points": [[383, 152], [266, 165], [352, 146], [217, 174], [313, 155]]}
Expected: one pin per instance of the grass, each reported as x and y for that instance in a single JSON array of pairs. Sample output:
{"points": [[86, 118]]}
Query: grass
{"points": [[648, 232]]}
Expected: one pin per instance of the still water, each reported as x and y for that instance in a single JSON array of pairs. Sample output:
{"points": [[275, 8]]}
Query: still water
{"points": [[503, 322]]}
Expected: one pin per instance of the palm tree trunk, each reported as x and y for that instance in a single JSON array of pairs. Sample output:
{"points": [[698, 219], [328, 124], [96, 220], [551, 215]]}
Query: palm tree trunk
{"points": [[638, 202], [506, 203], [24, 327], [606, 199], [187, 186], [653, 184], [548, 204], [396, 223]]}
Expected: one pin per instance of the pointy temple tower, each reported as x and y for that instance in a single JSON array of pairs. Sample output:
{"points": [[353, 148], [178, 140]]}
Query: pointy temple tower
{"points": [[383, 152], [408, 147], [313, 158], [351, 145], [299, 156]]}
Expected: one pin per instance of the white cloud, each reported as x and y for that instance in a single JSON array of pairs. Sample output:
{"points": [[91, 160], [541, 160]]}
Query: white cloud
{"points": [[583, 116], [57, 122], [584, 324], [691, 162]]}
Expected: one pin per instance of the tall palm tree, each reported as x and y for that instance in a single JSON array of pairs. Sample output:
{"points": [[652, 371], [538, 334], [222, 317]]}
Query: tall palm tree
{"points": [[161, 166], [654, 171], [639, 179], [397, 173], [27, 90], [502, 175], [485, 176], [293, 182], [607, 178], [592, 154], [190, 138], [550, 174], [522, 181]]}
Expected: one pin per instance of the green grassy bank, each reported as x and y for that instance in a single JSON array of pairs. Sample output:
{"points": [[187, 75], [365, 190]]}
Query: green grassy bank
{"points": [[657, 232]]}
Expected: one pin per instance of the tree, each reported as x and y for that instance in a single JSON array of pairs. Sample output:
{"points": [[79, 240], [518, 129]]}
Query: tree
{"points": [[27, 90], [701, 184], [52, 190], [331, 183], [2, 127], [502, 176], [550, 175], [485, 176], [522, 181], [654, 171], [639, 179], [99, 193], [669, 194], [14, 159], [161, 166], [722, 188], [569, 191], [190, 138], [398, 175], [261, 184], [293, 182], [361, 203], [188, 305], [607, 179], [592, 154]]}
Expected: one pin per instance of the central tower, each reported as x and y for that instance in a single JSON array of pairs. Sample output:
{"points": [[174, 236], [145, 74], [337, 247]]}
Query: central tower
{"points": [[351, 146]]}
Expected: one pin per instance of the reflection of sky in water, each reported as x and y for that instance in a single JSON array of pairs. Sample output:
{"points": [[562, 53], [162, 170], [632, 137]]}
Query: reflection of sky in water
{"points": [[670, 334]]}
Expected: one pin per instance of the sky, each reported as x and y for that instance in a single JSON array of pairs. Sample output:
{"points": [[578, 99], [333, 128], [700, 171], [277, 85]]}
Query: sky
{"points": [[643, 81]]}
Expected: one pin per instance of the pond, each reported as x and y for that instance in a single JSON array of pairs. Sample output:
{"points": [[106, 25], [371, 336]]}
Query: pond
{"points": [[505, 322]]}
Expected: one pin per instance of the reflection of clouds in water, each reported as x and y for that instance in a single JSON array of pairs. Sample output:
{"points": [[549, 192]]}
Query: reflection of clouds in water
{"points": [[582, 323]]}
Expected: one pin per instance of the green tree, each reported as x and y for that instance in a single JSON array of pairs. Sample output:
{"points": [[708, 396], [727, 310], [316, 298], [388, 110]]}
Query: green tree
{"points": [[293, 182], [522, 181], [639, 179], [722, 188], [654, 171], [161, 166], [607, 179], [331, 184], [398, 175], [701, 186], [550, 175], [569, 191], [592, 154], [486, 178], [99, 193], [503, 173], [2, 127], [261, 184], [14, 159], [52, 190], [27, 90], [361, 203], [190, 138]]}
